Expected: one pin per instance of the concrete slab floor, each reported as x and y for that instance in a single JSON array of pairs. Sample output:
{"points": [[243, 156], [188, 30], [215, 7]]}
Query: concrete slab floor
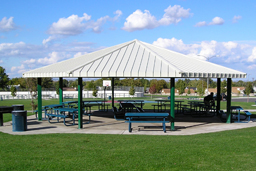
{"points": [[104, 123]]}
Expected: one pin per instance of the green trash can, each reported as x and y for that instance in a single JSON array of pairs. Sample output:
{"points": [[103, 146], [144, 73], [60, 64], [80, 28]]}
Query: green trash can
{"points": [[19, 120], [109, 97]]}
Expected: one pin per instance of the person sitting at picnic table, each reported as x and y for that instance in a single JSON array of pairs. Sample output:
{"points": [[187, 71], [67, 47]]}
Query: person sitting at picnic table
{"points": [[209, 101]]}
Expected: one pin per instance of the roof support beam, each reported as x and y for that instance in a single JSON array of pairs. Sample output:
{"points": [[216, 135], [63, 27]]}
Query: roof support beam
{"points": [[39, 98], [172, 103], [218, 95], [60, 90], [80, 103], [229, 100], [112, 86]]}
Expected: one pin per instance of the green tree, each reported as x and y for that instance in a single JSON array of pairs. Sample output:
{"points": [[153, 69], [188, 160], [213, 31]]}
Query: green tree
{"points": [[57, 87], [13, 91], [47, 83], [132, 90], [32, 87], [187, 82], [65, 83], [180, 85], [201, 86], [248, 89], [223, 86], [4, 79], [95, 91], [160, 85], [74, 84], [89, 85], [189, 90]]}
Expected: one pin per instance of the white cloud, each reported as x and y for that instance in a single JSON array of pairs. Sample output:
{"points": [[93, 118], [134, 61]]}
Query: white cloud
{"points": [[252, 57], [52, 58], [17, 68], [118, 14], [74, 25], [236, 18], [230, 45], [11, 49], [253, 66], [30, 61], [78, 54], [201, 24], [139, 20], [1, 61], [7, 24], [49, 39], [176, 45], [217, 21], [226, 52], [173, 15]]}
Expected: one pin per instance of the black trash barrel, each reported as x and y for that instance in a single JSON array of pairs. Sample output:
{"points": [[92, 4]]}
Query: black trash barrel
{"points": [[18, 107], [19, 120]]}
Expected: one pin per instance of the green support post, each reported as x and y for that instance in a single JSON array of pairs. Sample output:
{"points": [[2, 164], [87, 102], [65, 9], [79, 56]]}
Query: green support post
{"points": [[39, 98], [80, 103], [172, 102], [113, 86], [218, 95], [60, 90], [228, 100]]}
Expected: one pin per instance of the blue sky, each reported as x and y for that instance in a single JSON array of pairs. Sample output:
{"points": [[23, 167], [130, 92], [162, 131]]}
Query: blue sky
{"points": [[38, 33]]}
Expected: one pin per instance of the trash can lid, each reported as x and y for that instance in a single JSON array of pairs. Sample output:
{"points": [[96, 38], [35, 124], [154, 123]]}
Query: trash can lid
{"points": [[18, 105]]}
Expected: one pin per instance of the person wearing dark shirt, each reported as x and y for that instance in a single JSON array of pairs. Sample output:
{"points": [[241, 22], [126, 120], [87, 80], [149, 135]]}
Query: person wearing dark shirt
{"points": [[209, 101]]}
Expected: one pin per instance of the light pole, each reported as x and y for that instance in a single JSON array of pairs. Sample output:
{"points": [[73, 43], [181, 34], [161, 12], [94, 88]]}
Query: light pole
{"points": [[208, 58]]}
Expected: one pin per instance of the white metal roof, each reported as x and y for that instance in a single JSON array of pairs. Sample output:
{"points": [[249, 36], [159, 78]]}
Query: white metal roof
{"points": [[135, 59]]}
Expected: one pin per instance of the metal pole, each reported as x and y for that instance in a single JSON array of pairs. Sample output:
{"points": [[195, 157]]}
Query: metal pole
{"points": [[229, 101], [39, 99], [113, 85], [172, 102], [218, 95], [80, 103], [60, 90]]}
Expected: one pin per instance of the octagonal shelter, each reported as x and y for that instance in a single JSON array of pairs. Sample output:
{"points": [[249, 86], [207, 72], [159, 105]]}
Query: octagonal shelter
{"points": [[135, 59]]}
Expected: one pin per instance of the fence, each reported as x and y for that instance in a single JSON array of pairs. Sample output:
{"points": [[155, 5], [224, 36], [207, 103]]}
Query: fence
{"points": [[119, 92]]}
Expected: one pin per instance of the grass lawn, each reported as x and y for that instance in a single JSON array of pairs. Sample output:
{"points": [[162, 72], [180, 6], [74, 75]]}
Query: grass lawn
{"points": [[228, 150]]}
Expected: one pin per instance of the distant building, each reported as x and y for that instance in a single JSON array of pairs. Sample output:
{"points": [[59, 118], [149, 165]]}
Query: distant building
{"points": [[238, 90], [167, 91]]}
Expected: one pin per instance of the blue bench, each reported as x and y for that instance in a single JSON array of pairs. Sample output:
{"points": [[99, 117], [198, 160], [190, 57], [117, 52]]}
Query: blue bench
{"points": [[50, 116], [61, 114], [147, 118]]}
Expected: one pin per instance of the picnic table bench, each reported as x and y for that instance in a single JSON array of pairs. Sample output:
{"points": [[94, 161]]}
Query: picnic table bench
{"points": [[147, 118], [61, 113]]}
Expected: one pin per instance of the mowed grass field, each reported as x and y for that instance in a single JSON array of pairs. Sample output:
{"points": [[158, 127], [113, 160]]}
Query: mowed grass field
{"points": [[228, 150]]}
